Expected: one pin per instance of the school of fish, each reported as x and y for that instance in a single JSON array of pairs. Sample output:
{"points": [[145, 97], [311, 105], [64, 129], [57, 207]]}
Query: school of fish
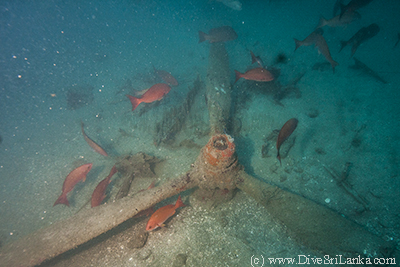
{"points": [[342, 16]]}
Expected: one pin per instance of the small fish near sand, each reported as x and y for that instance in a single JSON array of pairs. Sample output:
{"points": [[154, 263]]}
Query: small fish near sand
{"points": [[162, 214], [217, 35], [166, 77], [257, 74], [347, 18], [316, 38], [358, 65], [96, 147], [74, 177], [364, 34], [286, 130], [99, 192], [154, 93]]}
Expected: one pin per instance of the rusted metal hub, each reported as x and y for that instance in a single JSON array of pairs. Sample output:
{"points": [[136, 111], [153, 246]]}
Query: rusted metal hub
{"points": [[218, 163], [219, 150]]}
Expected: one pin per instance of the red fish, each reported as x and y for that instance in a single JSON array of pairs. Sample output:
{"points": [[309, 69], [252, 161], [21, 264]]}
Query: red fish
{"points": [[92, 143], [162, 214], [316, 38], [166, 77], [220, 34], [284, 133], [257, 74], [71, 180], [156, 92], [100, 190]]}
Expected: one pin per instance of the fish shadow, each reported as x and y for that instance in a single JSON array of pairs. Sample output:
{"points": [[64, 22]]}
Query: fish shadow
{"points": [[245, 150]]}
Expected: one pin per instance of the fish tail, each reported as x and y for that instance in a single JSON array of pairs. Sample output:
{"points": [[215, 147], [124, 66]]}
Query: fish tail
{"points": [[354, 49], [279, 158], [82, 127], [134, 101], [334, 64], [342, 45], [238, 75], [179, 203], [253, 57], [342, 10], [322, 22], [297, 42], [113, 171], [62, 200], [202, 36]]}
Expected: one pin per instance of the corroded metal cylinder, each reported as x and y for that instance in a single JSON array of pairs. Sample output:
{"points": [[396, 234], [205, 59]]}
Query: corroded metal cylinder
{"points": [[217, 164], [218, 88]]}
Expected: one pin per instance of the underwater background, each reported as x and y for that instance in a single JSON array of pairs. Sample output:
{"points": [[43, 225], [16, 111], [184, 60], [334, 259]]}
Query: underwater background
{"points": [[63, 62]]}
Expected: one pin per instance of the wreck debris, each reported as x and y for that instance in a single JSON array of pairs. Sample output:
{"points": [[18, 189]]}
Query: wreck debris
{"points": [[342, 181], [357, 138], [139, 165], [218, 76], [174, 120], [311, 224]]}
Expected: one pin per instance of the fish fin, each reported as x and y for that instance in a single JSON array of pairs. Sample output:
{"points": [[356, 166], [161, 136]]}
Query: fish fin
{"points": [[179, 203], [297, 42], [342, 10], [113, 171], [322, 22], [140, 93], [342, 45], [134, 101], [334, 64], [202, 36], [279, 158], [253, 57], [238, 76], [152, 185], [62, 200], [354, 49]]}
